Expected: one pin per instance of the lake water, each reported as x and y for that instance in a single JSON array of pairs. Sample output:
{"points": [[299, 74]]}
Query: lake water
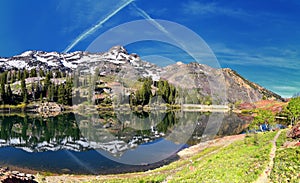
{"points": [[107, 142]]}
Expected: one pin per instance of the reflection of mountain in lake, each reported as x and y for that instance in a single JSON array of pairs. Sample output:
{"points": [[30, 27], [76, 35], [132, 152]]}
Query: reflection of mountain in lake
{"points": [[231, 124], [114, 133]]}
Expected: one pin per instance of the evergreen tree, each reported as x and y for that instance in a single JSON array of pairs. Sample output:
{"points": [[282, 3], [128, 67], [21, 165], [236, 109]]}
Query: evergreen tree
{"points": [[41, 73], [69, 85], [143, 95], [50, 74], [47, 83], [2, 91], [24, 90], [55, 92], [4, 77], [25, 74], [167, 91], [50, 92], [61, 94], [37, 90], [13, 77], [33, 91], [19, 75], [33, 72], [58, 74], [146, 91], [9, 94]]}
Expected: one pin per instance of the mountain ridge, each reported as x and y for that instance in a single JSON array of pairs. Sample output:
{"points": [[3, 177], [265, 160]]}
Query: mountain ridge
{"points": [[205, 79]]}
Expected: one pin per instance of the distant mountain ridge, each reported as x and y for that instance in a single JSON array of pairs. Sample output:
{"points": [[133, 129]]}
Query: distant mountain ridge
{"points": [[206, 79], [64, 61]]}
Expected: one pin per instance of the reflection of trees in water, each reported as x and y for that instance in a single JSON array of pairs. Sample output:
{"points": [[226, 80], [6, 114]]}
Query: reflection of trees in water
{"points": [[231, 124], [176, 126], [34, 130]]}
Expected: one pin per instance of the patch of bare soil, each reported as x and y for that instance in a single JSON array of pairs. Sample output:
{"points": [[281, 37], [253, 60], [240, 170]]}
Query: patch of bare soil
{"points": [[216, 142]]}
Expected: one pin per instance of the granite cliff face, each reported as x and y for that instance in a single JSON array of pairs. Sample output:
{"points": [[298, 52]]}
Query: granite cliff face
{"points": [[222, 85]]}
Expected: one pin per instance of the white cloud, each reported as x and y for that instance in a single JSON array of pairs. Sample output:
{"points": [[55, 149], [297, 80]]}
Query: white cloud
{"points": [[290, 88], [285, 91], [200, 8], [280, 66], [278, 57]]}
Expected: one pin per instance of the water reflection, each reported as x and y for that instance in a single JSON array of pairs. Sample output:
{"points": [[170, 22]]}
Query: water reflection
{"points": [[138, 137]]}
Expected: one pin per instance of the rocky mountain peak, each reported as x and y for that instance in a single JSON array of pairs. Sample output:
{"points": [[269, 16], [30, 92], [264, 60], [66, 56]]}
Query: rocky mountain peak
{"points": [[117, 50]]}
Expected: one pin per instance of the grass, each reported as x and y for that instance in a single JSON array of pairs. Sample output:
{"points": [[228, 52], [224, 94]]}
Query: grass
{"points": [[184, 162], [241, 161], [287, 162], [12, 107]]}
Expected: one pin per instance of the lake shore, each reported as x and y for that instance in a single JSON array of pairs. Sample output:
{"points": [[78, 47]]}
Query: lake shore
{"points": [[183, 154], [52, 108]]}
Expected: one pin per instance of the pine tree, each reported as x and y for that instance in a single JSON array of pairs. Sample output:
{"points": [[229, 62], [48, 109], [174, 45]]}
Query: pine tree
{"points": [[33, 72], [4, 77], [55, 93], [41, 73], [2, 91], [58, 74], [46, 85], [13, 77], [33, 91], [25, 74], [47, 81], [61, 94], [19, 75], [69, 85], [9, 95], [24, 90], [50, 93]]}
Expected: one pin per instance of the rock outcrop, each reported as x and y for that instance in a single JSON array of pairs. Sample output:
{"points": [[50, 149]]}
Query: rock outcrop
{"points": [[8, 176]]}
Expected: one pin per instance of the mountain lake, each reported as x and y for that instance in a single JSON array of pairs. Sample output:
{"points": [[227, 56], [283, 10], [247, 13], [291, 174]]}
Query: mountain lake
{"points": [[107, 142]]}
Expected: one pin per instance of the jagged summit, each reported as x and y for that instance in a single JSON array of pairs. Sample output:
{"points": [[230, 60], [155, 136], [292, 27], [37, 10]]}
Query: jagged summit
{"points": [[118, 49]]}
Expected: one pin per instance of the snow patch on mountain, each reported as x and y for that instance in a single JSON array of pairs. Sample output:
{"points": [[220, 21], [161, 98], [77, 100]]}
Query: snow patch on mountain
{"points": [[84, 61]]}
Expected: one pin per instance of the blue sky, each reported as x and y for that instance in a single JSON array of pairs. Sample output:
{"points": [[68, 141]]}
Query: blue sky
{"points": [[259, 39]]}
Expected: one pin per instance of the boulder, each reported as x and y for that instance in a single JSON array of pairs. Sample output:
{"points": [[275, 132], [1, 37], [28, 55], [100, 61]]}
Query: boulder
{"points": [[49, 107], [15, 176]]}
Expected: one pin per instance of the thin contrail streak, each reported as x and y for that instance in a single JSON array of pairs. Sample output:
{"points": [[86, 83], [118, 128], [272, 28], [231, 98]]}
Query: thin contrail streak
{"points": [[158, 25], [95, 27], [147, 17]]}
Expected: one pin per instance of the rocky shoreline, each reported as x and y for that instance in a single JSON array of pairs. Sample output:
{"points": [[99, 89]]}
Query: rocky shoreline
{"points": [[7, 175]]}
